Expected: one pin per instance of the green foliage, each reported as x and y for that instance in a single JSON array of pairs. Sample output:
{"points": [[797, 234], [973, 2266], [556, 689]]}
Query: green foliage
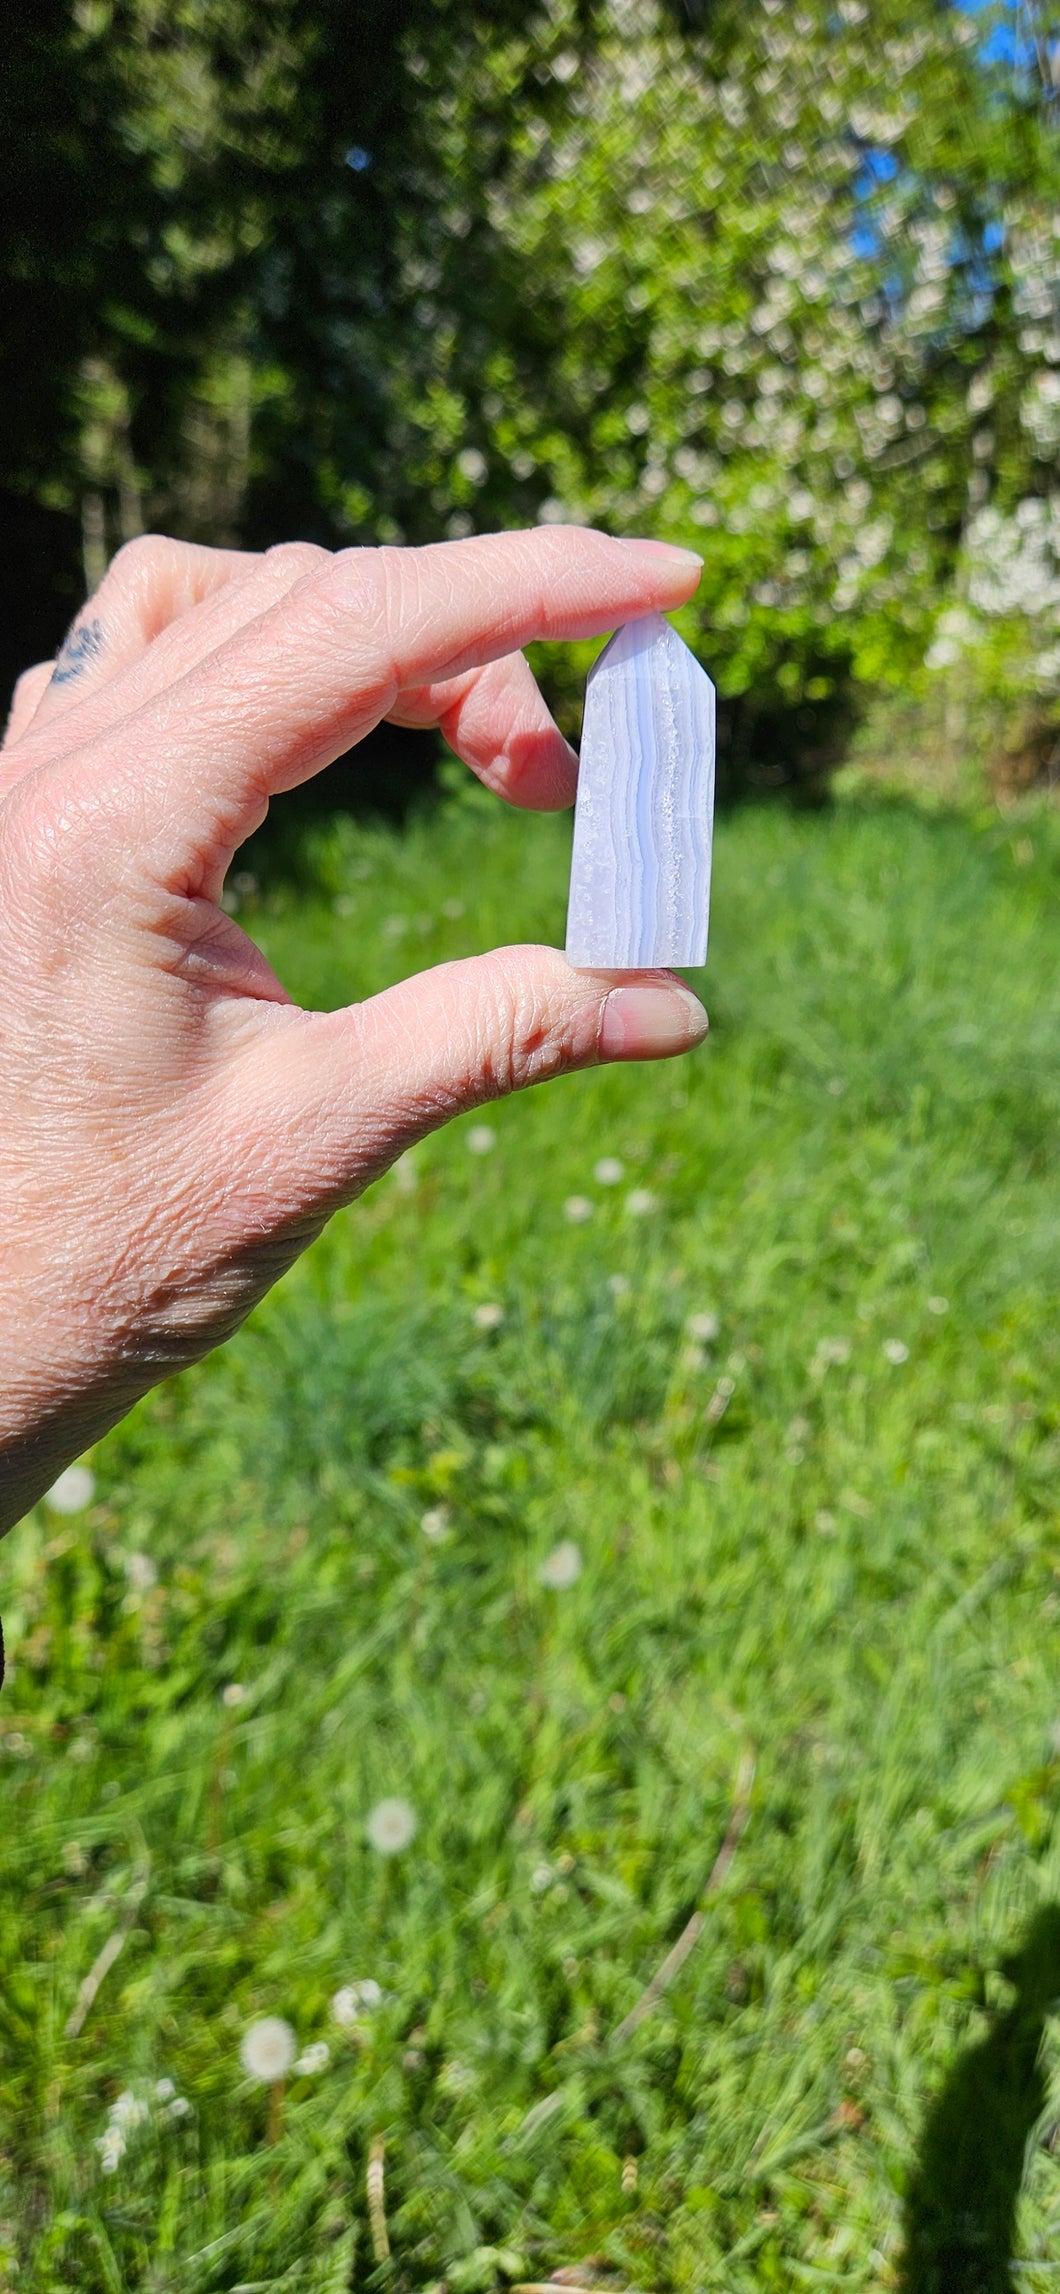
{"points": [[783, 283], [797, 1413]]}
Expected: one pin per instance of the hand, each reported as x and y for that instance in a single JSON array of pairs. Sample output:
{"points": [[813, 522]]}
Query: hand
{"points": [[174, 1129]]}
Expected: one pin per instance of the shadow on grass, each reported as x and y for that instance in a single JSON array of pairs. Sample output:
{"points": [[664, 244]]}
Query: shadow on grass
{"points": [[961, 2203]]}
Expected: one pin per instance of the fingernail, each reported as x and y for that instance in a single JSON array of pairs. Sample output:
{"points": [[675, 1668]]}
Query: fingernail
{"points": [[650, 1023], [686, 559]]}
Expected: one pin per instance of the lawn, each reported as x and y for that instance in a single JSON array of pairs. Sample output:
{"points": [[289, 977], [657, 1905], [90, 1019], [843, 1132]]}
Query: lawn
{"points": [[664, 1457]]}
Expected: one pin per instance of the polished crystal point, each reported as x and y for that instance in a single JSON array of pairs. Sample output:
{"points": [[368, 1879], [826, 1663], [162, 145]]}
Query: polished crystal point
{"points": [[643, 825]]}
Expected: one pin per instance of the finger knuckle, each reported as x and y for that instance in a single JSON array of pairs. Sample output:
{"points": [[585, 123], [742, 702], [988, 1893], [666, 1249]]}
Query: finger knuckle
{"points": [[30, 686], [143, 560], [293, 561], [522, 1037]]}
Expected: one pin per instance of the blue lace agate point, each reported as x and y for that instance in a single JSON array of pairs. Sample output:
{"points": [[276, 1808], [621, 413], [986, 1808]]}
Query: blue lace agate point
{"points": [[644, 820]]}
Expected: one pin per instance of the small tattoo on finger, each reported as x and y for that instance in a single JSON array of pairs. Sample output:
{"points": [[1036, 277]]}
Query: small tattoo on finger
{"points": [[81, 645]]}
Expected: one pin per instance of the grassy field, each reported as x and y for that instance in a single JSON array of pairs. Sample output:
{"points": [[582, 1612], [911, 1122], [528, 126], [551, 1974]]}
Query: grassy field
{"points": [[660, 1426]]}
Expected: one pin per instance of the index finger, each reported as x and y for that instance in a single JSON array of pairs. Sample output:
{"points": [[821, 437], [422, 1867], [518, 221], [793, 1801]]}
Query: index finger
{"points": [[302, 683]]}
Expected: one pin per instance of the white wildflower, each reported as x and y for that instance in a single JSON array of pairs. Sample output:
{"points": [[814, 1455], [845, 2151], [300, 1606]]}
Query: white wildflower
{"points": [[353, 2000], [129, 2111], [233, 1693], [896, 1350], [164, 2090], [391, 1825], [639, 1202], [609, 1172], [938, 1305], [74, 1489], [313, 2059], [488, 1316], [481, 1139], [577, 1209], [435, 1524], [179, 2108], [562, 1567], [705, 1327], [541, 1878], [268, 2049], [111, 2148]]}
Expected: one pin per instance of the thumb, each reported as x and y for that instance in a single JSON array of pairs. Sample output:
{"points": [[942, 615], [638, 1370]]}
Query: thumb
{"points": [[347, 1091]]}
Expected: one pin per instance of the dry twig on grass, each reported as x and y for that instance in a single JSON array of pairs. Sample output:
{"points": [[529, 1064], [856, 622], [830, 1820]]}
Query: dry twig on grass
{"points": [[677, 1955], [374, 2187], [104, 1960]]}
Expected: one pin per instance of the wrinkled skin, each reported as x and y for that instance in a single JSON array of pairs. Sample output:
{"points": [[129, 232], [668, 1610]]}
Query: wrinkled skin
{"points": [[175, 1129]]}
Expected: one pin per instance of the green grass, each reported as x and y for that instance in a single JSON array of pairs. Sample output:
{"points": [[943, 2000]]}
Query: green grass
{"points": [[791, 1542]]}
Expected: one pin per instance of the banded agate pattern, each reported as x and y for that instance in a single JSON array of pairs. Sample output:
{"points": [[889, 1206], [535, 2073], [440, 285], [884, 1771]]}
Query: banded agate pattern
{"points": [[644, 819]]}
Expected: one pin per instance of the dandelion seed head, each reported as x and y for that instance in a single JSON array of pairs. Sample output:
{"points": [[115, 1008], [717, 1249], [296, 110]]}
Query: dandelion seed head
{"points": [[74, 1489], [896, 1350], [164, 2090], [705, 1327], [619, 1285], [481, 1139], [268, 2049], [353, 2000], [639, 1202], [541, 1878], [140, 1571], [391, 1826], [313, 2059], [488, 1316], [129, 2110], [233, 1693], [562, 1567], [435, 1524], [609, 1172], [938, 1305], [577, 1209]]}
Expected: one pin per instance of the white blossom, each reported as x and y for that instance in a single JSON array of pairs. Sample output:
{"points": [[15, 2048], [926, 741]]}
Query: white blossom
{"points": [[391, 1826], [233, 1693], [639, 1202], [609, 1171], [435, 1524], [481, 1139], [896, 1350], [268, 2049], [703, 1326], [577, 1209], [488, 1316]]}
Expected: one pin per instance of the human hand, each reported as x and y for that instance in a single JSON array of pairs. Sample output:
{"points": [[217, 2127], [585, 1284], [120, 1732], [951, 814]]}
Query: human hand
{"points": [[175, 1129]]}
